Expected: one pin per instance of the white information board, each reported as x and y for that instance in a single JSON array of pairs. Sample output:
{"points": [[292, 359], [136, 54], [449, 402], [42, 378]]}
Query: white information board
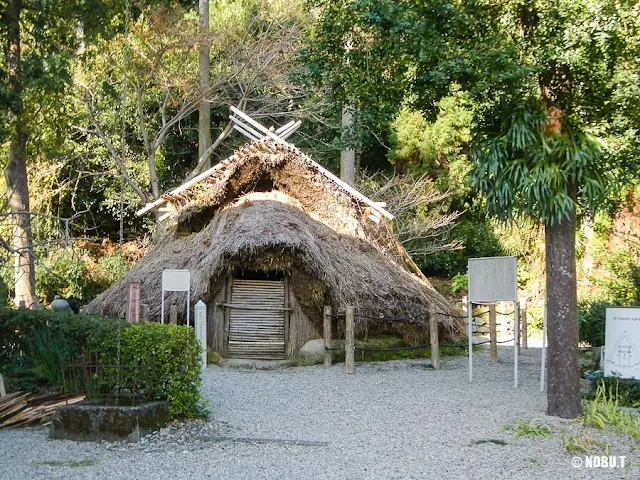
{"points": [[622, 343], [493, 279], [176, 280]]}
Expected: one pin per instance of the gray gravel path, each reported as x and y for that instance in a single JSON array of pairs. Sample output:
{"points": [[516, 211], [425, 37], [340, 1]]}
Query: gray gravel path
{"points": [[389, 420]]}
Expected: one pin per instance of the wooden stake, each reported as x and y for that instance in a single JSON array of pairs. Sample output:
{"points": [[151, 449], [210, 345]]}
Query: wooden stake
{"points": [[433, 336], [493, 335], [173, 314], [523, 330], [350, 340], [144, 312], [3, 391], [326, 328]]}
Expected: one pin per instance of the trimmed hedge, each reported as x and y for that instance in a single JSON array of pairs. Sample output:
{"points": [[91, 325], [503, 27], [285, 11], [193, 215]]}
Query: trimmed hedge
{"points": [[33, 344]]}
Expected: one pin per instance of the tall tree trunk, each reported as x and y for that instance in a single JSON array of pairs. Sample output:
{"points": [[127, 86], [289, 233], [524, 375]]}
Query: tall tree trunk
{"points": [[16, 169], [563, 389], [347, 155], [204, 120]]}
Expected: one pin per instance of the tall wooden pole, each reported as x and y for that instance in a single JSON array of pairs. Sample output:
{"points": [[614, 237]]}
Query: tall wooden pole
{"points": [[326, 328], [204, 63], [350, 340]]}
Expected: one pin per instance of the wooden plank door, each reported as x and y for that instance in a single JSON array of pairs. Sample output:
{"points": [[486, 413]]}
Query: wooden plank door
{"points": [[257, 319]]}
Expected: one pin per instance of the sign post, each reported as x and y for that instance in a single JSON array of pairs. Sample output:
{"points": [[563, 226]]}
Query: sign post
{"points": [[176, 281], [133, 305], [201, 330], [493, 279]]}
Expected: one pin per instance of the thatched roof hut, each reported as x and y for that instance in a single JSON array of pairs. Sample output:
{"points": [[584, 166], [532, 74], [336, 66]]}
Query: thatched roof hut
{"points": [[270, 237]]}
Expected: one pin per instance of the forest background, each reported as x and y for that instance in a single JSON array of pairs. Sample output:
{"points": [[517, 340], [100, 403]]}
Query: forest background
{"points": [[109, 116]]}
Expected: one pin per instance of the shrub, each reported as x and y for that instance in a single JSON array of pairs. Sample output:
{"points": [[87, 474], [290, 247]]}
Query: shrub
{"points": [[169, 357], [624, 391], [591, 322], [166, 357]]}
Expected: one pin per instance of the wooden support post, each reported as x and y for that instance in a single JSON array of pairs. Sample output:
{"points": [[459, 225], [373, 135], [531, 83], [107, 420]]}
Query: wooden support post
{"points": [[493, 335], [465, 308], [3, 391], [504, 324], [350, 340], [326, 329], [144, 312], [523, 330], [433, 336], [173, 314]]}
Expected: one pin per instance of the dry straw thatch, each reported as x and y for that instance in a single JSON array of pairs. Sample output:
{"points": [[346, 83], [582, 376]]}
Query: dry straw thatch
{"points": [[307, 226]]}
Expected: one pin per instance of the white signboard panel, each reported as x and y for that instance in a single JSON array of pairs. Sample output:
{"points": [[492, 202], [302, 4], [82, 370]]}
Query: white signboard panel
{"points": [[622, 343], [175, 280], [493, 279]]}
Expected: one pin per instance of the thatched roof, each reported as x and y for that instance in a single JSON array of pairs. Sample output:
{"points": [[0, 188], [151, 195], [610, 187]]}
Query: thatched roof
{"points": [[337, 247]]}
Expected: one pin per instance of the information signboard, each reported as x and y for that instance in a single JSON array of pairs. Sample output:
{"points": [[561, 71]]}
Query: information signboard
{"points": [[622, 342]]}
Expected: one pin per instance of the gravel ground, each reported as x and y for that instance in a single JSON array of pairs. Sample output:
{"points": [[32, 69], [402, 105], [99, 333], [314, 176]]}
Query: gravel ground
{"points": [[389, 420]]}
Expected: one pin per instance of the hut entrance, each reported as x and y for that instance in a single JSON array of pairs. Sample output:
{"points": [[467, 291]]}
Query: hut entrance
{"points": [[257, 316]]}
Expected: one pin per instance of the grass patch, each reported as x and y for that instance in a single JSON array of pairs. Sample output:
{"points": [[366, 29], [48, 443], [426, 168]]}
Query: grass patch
{"points": [[583, 443], [604, 413], [69, 464], [494, 441], [523, 429]]}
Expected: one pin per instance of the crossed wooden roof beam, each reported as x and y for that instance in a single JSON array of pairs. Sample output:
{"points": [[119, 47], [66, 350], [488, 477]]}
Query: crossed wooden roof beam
{"points": [[256, 132]]}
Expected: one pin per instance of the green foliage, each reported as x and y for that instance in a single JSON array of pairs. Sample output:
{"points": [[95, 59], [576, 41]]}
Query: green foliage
{"points": [[478, 240], [71, 273], [63, 273], [591, 322], [620, 281], [33, 343], [524, 429], [44, 355], [580, 443], [626, 391], [108, 270], [169, 356], [436, 148], [604, 413], [459, 282], [526, 171]]}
